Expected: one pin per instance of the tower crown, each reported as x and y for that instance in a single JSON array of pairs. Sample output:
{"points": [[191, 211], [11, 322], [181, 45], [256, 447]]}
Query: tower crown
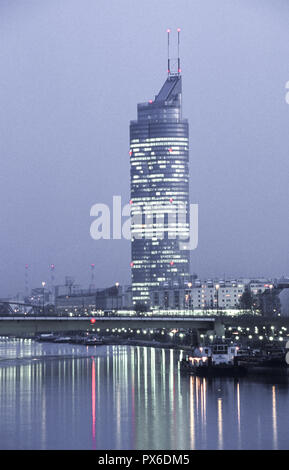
{"points": [[174, 64]]}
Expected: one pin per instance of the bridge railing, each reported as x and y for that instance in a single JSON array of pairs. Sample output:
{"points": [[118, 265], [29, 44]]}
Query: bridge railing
{"points": [[65, 316]]}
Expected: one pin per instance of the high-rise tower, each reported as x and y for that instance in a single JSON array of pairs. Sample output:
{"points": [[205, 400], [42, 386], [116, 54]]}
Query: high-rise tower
{"points": [[159, 162]]}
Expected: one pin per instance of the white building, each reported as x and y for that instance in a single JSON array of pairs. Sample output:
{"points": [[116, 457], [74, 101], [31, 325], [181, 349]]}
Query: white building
{"points": [[209, 294]]}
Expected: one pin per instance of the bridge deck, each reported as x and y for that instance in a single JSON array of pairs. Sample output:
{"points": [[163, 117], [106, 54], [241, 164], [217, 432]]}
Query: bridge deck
{"points": [[18, 325]]}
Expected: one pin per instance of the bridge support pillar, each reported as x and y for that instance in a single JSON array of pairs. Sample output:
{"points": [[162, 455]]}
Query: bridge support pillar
{"points": [[219, 329], [198, 338]]}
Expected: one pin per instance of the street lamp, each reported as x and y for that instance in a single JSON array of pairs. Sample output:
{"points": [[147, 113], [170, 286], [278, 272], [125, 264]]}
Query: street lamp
{"points": [[217, 287], [117, 286]]}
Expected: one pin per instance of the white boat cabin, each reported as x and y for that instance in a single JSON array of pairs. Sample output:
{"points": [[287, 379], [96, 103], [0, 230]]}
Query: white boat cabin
{"points": [[220, 353]]}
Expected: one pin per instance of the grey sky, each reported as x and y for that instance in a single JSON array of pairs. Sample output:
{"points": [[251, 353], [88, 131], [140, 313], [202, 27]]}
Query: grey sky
{"points": [[72, 73]]}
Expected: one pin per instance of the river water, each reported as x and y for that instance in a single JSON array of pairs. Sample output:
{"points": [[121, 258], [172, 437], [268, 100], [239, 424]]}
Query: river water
{"points": [[61, 396]]}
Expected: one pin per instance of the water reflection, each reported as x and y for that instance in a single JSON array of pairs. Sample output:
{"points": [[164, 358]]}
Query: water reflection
{"points": [[93, 403], [65, 397], [274, 416], [192, 414], [220, 424], [239, 416]]}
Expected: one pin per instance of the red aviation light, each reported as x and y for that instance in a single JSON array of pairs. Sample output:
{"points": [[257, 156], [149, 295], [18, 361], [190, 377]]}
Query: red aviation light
{"points": [[171, 200], [130, 153], [131, 264], [170, 149], [130, 202], [92, 320], [150, 101], [172, 263]]}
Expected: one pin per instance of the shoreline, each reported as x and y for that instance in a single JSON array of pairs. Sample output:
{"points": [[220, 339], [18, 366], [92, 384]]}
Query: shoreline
{"points": [[153, 344]]}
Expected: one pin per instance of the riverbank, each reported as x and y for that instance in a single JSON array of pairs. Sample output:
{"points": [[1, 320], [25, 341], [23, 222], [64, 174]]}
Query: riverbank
{"points": [[117, 341], [110, 341]]}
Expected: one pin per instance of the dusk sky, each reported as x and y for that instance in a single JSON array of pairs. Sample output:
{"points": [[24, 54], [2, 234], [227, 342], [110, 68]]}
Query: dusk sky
{"points": [[72, 73]]}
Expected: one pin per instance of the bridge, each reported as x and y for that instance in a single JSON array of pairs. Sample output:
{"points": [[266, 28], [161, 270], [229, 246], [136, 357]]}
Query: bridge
{"points": [[20, 324]]}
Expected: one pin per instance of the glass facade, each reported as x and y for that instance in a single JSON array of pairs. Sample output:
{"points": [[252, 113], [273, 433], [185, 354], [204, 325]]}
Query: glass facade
{"points": [[159, 163]]}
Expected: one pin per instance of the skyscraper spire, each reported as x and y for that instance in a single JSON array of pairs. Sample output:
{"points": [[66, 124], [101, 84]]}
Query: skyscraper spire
{"points": [[179, 60], [174, 64], [169, 67]]}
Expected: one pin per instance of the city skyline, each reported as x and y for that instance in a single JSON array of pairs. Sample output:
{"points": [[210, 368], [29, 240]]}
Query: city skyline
{"points": [[144, 294], [60, 154]]}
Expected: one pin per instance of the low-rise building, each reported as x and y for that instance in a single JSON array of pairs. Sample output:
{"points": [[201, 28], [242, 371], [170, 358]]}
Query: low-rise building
{"points": [[199, 295], [111, 298], [209, 294]]}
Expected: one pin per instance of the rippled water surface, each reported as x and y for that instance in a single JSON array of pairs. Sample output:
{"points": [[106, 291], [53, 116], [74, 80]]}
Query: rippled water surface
{"points": [[61, 396]]}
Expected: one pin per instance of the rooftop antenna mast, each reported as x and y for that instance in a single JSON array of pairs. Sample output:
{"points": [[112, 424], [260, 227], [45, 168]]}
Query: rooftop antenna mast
{"points": [[169, 67], [174, 65], [26, 281], [52, 278], [92, 286], [179, 60]]}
